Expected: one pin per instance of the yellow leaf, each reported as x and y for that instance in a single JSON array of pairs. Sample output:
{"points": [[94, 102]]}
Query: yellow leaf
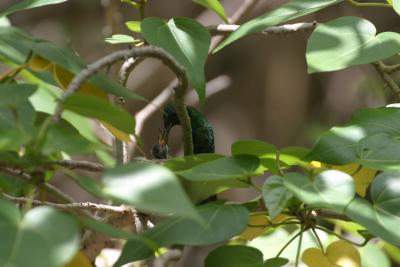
{"points": [[117, 133], [338, 254], [258, 223], [63, 77], [79, 260], [37, 63], [362, 176]]}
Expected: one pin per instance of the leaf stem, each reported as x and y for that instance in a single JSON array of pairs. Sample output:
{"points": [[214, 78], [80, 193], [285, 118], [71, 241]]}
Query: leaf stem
{"points": [[299, 246], [358, 4], [318, 239], [341, 237], [289, 242]]}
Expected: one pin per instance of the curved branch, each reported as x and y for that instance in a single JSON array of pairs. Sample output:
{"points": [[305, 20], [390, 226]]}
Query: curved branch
{"points": [[142, 52]]}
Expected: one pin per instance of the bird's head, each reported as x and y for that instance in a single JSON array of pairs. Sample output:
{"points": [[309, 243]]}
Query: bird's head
{"points": [[160, 149]]}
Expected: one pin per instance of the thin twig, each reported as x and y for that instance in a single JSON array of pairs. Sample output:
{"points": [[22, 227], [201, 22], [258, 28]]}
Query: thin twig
{"points": [[381, 68], [274, 30], [80, 165], [70, 206], [236, 18], [61, 196], [296, 264]]}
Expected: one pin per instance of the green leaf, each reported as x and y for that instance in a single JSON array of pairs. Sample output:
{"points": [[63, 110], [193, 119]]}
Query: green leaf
{"points": [[201, 190], [148, 187], [120, 39], [214, 5], [12, 95], [371, 254], [382, 217], [186, 40], [276, 195], [223, 223], [396, 6], [234, 167], [379, 151], [339, 144], [28, 4], [97, 108], [4, 22], [133, 25], [234, 256], [36, 240], [346, 42], [254, 147], [275, 262], [289, 11], [324, 190]]}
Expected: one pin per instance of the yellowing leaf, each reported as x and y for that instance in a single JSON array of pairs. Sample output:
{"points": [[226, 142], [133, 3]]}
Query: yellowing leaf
{"points": [[63, 78], [258, 223], [338, 254], [117, 133], [79, 260], [37, 63], [363, 176]]}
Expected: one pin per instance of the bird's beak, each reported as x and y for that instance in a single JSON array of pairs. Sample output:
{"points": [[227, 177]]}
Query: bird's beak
{"points": [[164, 135]]}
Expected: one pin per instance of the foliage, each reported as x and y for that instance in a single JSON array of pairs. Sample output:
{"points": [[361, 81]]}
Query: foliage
{"points": [[351, 175]]}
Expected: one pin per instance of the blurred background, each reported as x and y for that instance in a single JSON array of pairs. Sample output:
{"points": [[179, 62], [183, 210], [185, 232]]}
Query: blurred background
{"points": [[267, 93]]}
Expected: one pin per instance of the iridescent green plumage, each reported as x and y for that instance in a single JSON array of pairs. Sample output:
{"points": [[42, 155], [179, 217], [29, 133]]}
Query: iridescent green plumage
{"points": [[202, 131]]}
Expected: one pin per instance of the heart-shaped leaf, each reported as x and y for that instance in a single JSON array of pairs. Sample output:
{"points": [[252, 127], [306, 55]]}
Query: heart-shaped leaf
{"points": [[36, 240], [289, 11], [348, 41], [276, 196], [186, 40], [339, 253], [339, 144], [324, 190], [382, 217], [223, 221], [28, 4]]}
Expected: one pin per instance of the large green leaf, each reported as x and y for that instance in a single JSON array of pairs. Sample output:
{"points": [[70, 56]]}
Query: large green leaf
{"points": [[276, 196], [186, 40], [222, 223], [28, 4], [148, 187], [201, 190], [396, 6], [339, 144], [98, 108], [382, 217], [324, 190], [348, 41], [240, 256], [36, 240], [228, 168], [289, 11], [214, 5]]}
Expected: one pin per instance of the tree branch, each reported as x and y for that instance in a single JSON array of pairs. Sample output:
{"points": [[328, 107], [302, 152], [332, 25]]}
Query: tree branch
{"points": [[79, 164], [274, 30]]}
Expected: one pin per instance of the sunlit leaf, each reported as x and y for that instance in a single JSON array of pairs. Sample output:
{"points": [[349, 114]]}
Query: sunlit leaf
{"points": [[214, 5], [348, 41], [21, 236], [186, 40], [120, 39]]}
